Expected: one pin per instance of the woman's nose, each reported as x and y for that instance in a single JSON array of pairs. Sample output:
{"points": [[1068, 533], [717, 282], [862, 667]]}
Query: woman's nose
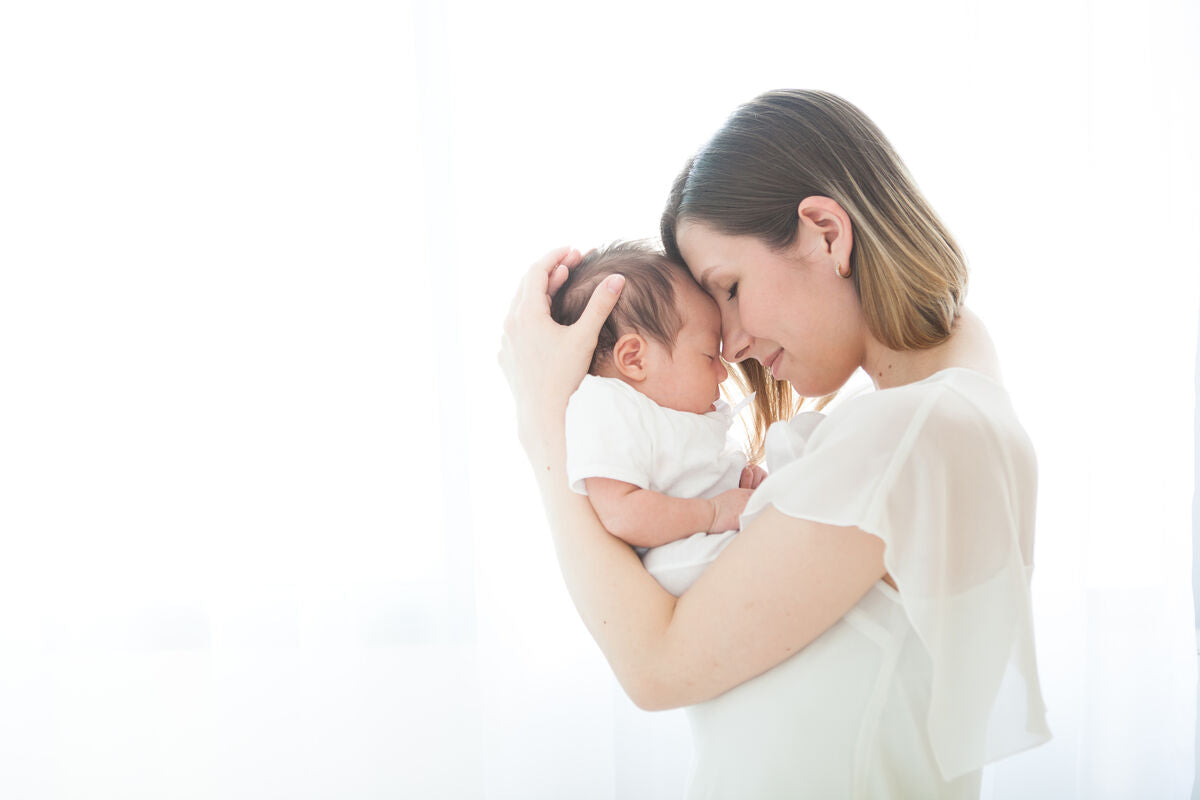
{"points": [[735, 345]]}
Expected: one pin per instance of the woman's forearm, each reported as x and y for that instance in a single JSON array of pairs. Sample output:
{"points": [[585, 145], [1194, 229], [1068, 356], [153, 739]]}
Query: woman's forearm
{"points": [[623, 607], [625, 610]]}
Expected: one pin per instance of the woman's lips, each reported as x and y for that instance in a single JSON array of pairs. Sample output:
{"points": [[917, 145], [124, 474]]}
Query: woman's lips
{"points": [[772, 362]]}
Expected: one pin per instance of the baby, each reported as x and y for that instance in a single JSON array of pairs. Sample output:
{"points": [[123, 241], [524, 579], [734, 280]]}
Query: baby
{"points": [[647, 433]]}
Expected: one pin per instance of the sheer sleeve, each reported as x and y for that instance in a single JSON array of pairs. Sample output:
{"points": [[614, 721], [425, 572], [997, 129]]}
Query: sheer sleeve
{"points": [[949, 484], [786, 440]]}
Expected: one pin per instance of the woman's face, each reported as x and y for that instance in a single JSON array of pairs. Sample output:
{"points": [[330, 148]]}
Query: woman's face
{"points": [[789, 311]]}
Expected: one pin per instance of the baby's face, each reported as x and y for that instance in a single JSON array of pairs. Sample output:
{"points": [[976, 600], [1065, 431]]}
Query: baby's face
{"points": [[689, 377]]}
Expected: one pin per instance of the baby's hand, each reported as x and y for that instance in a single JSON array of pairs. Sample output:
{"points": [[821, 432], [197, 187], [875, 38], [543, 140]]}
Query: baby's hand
{"points": [[727, 507], [752, 476]]}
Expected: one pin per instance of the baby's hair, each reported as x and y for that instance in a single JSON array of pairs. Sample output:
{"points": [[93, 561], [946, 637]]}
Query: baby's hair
{"points": [[647, 304]]}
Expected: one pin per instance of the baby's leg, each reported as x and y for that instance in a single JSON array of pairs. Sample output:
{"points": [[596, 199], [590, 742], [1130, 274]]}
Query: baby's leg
{"points": [[677, 565]]}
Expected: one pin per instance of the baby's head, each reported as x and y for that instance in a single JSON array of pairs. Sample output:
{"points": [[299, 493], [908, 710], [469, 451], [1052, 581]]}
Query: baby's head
{"points": [[664, 336]]}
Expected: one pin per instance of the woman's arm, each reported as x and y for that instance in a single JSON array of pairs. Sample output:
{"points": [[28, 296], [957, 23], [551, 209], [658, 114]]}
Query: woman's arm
{"points": [[779, 585]]}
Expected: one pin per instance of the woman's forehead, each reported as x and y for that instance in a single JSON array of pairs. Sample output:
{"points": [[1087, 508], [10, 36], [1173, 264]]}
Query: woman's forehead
{"points": [[693, 242], [709, 253]]}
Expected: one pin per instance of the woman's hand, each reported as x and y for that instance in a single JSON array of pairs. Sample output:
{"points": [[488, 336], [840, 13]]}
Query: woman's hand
{"points": [[544, 361]]}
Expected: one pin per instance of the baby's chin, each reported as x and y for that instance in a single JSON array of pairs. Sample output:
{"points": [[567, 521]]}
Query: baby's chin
{"points": [[690, 409], [687, 405]]}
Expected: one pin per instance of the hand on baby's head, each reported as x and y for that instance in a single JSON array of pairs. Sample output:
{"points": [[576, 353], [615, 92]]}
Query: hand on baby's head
{"points": [[663, 338]]}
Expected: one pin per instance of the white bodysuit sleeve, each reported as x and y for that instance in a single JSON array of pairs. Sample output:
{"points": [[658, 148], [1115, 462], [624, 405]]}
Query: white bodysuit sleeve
{"points": [[606, 435]]}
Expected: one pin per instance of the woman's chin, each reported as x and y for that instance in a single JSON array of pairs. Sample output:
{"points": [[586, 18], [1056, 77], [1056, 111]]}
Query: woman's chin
{"points": [[815, 385]]}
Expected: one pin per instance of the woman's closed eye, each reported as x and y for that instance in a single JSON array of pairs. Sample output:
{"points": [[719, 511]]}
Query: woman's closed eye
{"points": [[733, 291]]}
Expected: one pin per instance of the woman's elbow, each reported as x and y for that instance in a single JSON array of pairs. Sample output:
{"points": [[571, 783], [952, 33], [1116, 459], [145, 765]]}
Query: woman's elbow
{"points": [[646, 700], [649, 694]]}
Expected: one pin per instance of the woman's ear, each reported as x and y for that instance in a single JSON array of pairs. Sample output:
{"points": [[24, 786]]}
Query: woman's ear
{"points": [[629, 356], [826, 225]]}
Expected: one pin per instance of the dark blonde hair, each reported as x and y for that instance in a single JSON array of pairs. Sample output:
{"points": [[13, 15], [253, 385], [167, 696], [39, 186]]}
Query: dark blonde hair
{"points": [[647, 304], [784, 146]]}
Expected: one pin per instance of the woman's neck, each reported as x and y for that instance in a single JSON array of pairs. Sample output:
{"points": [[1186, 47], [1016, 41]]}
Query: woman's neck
{"points": [[969, 346]]}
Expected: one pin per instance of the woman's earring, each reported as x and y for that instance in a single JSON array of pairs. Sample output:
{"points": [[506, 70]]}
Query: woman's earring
{"points": [[837, 267]]}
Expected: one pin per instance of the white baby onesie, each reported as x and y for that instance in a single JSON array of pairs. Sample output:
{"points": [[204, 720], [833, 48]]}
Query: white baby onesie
{"points": [[614, 431]]}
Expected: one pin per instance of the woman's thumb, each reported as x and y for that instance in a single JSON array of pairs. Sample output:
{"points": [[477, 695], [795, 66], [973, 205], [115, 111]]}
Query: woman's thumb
{"points": [[601, 305]]}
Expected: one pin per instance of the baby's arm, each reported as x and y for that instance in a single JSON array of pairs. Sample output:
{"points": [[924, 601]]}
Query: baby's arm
{"points": [[644, 518]]}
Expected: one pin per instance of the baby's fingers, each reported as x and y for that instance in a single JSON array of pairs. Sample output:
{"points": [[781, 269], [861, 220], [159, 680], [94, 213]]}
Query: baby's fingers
{"points": [[747, 478]]}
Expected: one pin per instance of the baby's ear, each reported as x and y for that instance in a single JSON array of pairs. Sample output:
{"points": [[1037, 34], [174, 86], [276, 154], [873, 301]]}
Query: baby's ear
{"points": [[629, 356]]}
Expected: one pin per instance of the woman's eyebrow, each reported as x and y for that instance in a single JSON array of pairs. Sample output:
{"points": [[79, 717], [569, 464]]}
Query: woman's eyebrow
{"points": [[704, 277]]}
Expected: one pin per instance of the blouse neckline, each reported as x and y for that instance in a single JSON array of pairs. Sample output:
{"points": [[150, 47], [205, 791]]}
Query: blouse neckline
{"points": [[967, 370]]}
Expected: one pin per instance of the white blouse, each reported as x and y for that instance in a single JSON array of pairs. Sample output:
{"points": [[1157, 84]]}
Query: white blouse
{"points": [[912, 692]]}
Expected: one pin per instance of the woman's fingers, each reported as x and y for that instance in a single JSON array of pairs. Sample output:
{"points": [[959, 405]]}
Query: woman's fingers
{"points": [[560, 273], [558, 276], [599, 307], [534, 284], [537, 279], [542, 361]]}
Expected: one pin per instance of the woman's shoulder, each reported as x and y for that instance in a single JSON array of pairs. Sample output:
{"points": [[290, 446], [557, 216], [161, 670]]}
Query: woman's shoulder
{"points": [[955, 428], [950, 434], [953, 399]]}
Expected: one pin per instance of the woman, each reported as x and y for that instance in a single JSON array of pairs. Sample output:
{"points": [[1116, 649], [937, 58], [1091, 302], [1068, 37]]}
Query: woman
{"points": [[868, 634]]}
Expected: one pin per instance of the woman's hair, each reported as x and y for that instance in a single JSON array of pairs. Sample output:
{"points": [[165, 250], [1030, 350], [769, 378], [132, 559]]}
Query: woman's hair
{"points": [[787, 145], [647, 304]]}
